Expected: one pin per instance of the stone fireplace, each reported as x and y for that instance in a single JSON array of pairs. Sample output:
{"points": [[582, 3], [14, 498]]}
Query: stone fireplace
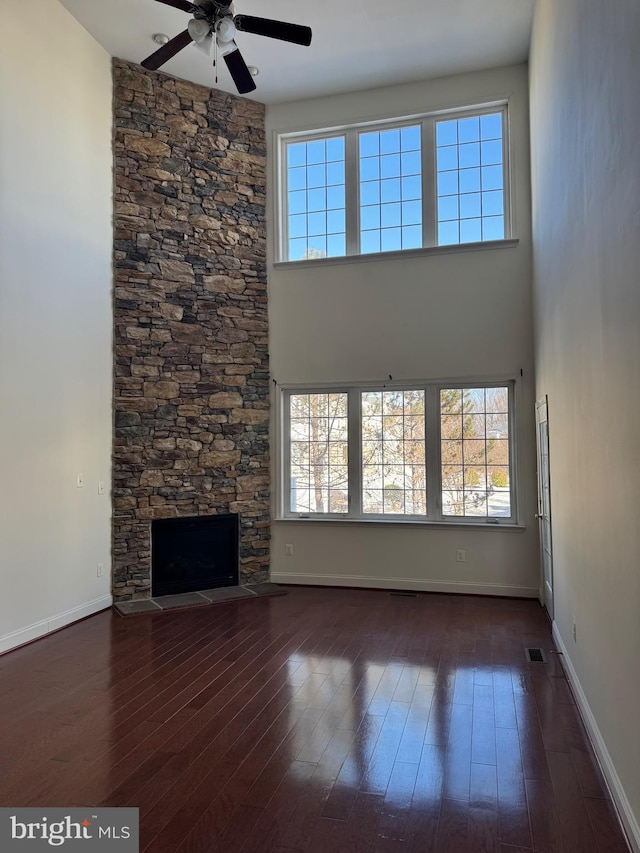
{"points": [[191, 395]]}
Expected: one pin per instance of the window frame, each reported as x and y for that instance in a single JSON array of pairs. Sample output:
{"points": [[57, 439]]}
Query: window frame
{"points": [[433, 460], [427, 123]]}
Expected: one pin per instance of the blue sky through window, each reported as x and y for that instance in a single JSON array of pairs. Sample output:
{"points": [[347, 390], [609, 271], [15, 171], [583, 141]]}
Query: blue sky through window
{"points": [[390, 190], [316, 199], [470, 179]]}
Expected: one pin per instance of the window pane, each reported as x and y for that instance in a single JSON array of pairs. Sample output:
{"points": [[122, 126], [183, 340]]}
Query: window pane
{"points": [[316, 176], [474, 451], [335, 149], [411, 213], [390, 175], [470, 180], [491, 126], [390, 190], [390, 142], [315, 185], [391, 239], [393, 452], [447, 158], [335, 198], [492, 203], [469, 129], [469, 155], [390, 215], [470, 162], [491, 178], [369, 242], [412, 237], [298, 226], [298, 202], [446, 133], [448, 233], [370, 192], [336, 245], [317, 224], [411, 188], [470, 205], [369, 144], [448, 208], [410, 138], [493, 227], [316, 200], [390, 166], [335, 174], [318, 453], [471, 231], [335, 222], [370, 217]]}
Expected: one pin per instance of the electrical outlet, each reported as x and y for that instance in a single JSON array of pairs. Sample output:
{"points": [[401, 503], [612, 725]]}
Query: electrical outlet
{"points": [[575, 639], [80, 481], [288, 550], [461, 555], [99, 569]]}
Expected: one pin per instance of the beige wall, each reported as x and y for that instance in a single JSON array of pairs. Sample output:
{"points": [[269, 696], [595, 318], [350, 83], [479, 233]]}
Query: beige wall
{"points": [[458, 315], [55, 321], [585, 68]]}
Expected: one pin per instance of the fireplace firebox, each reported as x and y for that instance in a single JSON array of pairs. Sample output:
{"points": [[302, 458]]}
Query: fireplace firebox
{"points": [[196, 553]]}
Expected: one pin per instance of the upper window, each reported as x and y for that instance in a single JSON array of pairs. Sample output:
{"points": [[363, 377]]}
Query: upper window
{"points": [[431, 452], [440, 180]]}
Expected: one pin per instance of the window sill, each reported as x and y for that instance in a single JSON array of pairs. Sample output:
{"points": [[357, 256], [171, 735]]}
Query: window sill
{"points": [[405, 253], [403, 522]]}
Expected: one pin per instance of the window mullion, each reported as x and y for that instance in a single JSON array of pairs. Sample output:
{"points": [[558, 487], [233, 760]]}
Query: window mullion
{"points": [[429, 188], [432, 453], [285, 409], [506, 171], [355, 452], [283, 247], [352, 194]]}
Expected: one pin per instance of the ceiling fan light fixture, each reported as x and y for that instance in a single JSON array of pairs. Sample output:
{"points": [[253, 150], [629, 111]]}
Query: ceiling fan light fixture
{"points": [[225, 30], [198, 29]]}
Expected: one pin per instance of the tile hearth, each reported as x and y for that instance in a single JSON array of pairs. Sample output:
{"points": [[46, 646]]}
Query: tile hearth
{"points": [[197, 599]]}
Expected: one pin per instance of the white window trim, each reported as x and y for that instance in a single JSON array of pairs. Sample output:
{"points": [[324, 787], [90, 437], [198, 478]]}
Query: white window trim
{"points": [[427, 123], [434, 514]]}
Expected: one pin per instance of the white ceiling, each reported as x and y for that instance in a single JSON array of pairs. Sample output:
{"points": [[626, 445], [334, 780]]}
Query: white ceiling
{"points": [[357, 44]]}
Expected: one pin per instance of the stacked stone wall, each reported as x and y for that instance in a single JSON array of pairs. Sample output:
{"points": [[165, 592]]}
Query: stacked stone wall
{"points": [[191, 395]]}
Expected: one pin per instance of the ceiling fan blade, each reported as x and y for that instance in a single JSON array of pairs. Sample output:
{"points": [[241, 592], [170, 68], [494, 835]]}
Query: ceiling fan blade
{"points": [[239, 72], [167, 50], [294, 33], [183, 5]]}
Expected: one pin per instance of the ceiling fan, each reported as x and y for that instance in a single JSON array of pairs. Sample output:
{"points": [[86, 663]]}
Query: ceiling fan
{"points": [[215, 17]]}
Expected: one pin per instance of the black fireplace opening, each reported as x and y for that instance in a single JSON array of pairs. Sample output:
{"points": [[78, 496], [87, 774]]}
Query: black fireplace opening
{"points": [[189, 554]]}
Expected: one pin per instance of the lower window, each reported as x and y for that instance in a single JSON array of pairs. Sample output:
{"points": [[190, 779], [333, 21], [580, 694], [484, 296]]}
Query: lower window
{"points": [[432, 452]]}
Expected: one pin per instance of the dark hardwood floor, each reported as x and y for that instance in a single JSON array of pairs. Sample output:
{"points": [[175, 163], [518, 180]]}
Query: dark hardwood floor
{"points": [[324, 720]]}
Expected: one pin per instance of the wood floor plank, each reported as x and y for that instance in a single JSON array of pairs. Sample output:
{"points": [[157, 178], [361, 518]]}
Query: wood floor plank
{"points": [[512, 801], [347, 721], [606, 826], [575, 828]]}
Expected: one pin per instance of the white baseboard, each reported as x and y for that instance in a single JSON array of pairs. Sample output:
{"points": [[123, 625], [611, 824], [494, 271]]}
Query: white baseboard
{"points": [[46, 626], [465, 587], [629, 820]]}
